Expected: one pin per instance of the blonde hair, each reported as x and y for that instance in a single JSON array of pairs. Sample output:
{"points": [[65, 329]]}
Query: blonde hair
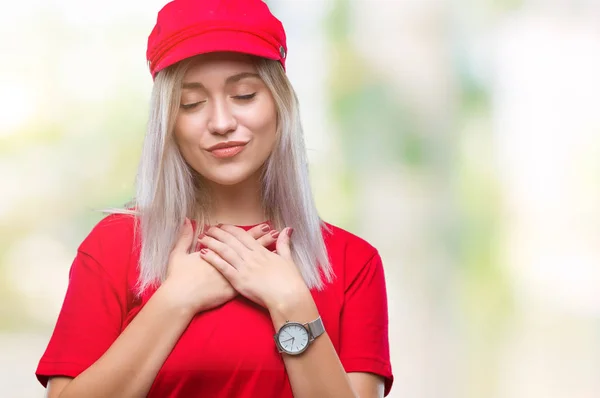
{"points": [[168, 190]]}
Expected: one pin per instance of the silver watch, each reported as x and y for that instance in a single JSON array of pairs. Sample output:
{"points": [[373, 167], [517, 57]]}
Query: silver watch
{"points": [[293, 338]]}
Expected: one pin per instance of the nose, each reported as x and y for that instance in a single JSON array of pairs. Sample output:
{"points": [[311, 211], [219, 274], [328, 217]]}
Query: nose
{"points": [[222, 120]]}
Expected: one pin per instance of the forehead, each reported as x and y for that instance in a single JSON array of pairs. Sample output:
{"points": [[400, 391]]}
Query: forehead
{"points": [[216, 67]]}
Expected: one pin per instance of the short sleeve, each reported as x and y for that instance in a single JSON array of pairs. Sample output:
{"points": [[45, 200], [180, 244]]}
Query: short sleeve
{"points": [[89, 321], [364, 340]]}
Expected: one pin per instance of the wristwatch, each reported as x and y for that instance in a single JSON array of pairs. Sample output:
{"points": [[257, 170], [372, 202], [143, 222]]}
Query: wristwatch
{"points": [[293, 338]]}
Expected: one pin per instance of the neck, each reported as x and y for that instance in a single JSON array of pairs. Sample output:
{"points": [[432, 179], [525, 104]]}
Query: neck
{"points": [[239, 204]]}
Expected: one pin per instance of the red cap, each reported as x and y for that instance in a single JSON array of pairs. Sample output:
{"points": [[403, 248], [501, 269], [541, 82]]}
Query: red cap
{"points": [[185, 28]]}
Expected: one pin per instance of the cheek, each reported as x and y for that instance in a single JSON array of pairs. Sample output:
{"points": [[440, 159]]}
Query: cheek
{"points": [[183, 134], [182, 142], [268, 130], [265, 141], [188, 149]]}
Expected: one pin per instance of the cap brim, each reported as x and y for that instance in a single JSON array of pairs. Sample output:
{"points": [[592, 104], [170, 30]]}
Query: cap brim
{"points": [[217, 41]]}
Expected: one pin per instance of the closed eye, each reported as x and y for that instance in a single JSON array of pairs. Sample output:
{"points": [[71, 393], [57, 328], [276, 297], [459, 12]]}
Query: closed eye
{"points": [[245, 97], [191, 105]]}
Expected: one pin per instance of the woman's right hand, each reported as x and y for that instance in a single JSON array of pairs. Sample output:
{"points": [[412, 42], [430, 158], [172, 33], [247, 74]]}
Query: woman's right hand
{"points": [[194, 284]]}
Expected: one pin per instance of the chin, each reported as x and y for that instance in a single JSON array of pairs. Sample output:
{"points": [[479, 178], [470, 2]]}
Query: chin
{"points": [[229, 177], [227, 180]]}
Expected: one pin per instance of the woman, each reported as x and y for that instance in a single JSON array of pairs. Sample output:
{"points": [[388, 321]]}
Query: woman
{"points": [[221, 280]]}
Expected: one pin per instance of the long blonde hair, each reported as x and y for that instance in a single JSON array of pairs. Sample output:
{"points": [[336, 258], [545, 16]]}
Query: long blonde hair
{"points": [[168, 190]]}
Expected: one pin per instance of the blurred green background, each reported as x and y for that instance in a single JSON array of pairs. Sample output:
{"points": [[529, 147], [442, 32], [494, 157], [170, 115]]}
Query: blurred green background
{"points": [[459, 137]]}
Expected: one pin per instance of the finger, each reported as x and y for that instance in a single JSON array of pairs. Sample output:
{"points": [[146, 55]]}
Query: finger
{"points": [[241, 236], [222, 235], [228, 271], [186, 235], [283, 243], [259, 230], [224, 250], [268, 239]]}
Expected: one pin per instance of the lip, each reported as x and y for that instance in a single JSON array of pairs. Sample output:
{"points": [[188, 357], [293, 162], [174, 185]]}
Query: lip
{"points": [[227, 149], [227, 144]]}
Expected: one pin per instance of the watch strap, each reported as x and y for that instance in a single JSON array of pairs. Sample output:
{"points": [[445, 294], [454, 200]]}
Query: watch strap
{"points": [[316, 328]]}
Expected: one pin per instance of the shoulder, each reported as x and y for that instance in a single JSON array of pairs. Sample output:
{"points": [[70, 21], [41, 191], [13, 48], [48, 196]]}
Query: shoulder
{"points": [[349, 254], [115, 230], [341, 242], [112, 243]]}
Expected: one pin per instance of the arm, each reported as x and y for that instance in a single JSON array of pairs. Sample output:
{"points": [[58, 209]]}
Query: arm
{"points": [[274, 282], [367, 385], [88, 345], [130, 365], [318, 372]]}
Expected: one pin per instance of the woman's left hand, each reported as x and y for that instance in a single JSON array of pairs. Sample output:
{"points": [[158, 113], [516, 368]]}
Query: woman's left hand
{"points": [[267, 278]]}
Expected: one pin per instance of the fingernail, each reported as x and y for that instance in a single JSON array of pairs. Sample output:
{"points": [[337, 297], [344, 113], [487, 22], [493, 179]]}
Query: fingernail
{"points": [[201, 236], [219, 225], [204, 251], [290, 232], [265, 228], [274, 233]]}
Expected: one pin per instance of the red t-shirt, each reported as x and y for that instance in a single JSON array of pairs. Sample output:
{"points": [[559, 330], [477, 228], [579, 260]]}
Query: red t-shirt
{"points": [[212, 358]]}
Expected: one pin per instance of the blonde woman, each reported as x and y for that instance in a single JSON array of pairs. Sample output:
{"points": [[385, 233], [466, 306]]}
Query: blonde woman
{"points": [[221, 280]]}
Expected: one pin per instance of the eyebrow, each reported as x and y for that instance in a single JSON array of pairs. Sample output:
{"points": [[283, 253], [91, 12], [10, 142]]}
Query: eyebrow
{"points": [[231, 79]]}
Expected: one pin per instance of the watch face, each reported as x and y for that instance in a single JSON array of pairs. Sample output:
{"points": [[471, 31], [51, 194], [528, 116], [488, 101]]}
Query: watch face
{"points": [[293, 338]]}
